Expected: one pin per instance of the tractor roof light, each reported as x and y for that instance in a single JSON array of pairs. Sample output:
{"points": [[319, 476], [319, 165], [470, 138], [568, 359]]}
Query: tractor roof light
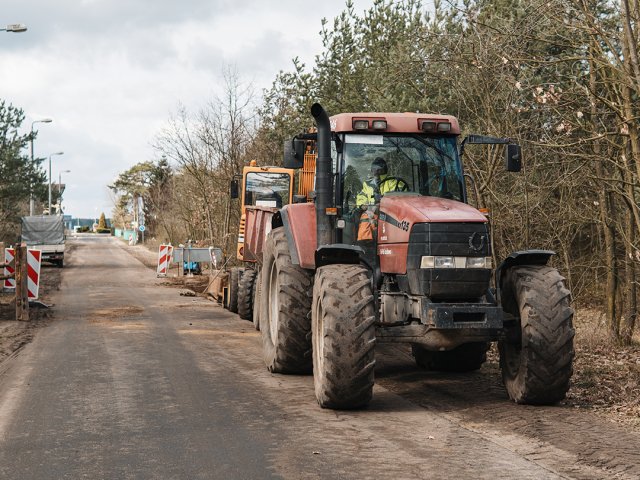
{"points": [[444, 126], [428, 126], [379, 124], [361, 124]]}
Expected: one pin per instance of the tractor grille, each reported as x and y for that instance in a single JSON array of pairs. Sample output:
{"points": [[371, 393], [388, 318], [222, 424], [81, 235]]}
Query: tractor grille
{"points": [[448, 239]]}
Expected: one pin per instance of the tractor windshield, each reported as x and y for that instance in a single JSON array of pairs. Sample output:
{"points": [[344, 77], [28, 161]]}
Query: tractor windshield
{"points": [[267, 189], [378, 164]]}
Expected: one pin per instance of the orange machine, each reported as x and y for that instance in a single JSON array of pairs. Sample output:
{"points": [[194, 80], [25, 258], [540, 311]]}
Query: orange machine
{"points": [[270, 187]]}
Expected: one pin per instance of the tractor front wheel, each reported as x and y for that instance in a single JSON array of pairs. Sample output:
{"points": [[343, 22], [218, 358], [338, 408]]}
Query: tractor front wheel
{"points": [[285, 303], [536, 355], [343, 336]]}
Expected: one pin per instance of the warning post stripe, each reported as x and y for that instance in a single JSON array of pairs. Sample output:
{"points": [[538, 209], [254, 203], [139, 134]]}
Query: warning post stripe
{"points": [[33, 272]]}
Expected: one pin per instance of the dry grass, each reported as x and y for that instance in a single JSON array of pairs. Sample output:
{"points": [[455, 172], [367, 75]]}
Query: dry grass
{"points": [[606, 375]]}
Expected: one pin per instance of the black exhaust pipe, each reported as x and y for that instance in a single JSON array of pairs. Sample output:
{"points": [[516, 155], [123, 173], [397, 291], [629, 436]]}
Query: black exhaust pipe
{"points": [[324, 176]]}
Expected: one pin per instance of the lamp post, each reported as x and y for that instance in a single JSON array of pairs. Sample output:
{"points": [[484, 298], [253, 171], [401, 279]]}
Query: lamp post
{"points": [[15, 28], [60, 188], [31, 200], [57, 153]]}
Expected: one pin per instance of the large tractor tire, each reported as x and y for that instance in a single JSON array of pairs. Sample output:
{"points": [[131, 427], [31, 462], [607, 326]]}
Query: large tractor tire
{"points": [[234, 280], [464, 358], [285, 303], [256, 301], [343, 336], [536, 355], [245, 295]]}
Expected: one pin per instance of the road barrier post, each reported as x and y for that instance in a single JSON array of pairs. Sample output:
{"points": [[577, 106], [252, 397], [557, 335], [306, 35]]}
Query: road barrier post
{"points": [[164, 256], [9, 269], [34, 260], [22, 285]]}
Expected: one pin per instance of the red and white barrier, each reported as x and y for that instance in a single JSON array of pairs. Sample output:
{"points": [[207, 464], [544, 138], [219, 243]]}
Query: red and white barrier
{"points": [[34, 260], [164, 259], [10, 258]]}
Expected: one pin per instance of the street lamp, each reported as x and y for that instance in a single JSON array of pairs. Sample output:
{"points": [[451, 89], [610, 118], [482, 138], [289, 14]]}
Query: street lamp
{"points": [[15, 28], [31, 200], [60, 189], [57, 153]]}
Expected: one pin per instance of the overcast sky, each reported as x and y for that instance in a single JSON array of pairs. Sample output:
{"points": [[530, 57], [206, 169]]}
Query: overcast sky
{"points": [[110, 72]]}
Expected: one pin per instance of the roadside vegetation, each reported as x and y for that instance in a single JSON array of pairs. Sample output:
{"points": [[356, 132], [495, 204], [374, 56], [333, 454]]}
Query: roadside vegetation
{"points": [[17, 172]]}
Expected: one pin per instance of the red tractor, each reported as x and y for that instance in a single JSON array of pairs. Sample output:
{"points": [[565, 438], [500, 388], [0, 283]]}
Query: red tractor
{"points": [[390, 251]]}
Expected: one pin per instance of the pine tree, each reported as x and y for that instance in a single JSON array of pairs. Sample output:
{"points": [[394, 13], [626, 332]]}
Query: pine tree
{"points": [[18, 174]]}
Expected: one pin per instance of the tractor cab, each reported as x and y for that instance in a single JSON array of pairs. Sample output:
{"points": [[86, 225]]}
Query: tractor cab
{"points": [[380, 155], [262, 186], [377, 165]]}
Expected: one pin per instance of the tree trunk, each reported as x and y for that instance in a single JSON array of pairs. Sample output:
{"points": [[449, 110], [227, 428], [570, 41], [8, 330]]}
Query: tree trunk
{"points": [[604, 206], [631, 305]]}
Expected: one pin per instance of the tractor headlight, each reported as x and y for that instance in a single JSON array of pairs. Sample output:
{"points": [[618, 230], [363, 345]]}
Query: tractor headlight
{"points": [[430, 261], [444, 262], [478, 262], [427, 262], [437, 262]]}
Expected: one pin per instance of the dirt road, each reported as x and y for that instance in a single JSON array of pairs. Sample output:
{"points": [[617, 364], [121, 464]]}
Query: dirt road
{"points": [[131, 380]]}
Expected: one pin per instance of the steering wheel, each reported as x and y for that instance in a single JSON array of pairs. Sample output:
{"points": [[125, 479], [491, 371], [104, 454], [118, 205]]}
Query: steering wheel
{"points": [[401, 184]]}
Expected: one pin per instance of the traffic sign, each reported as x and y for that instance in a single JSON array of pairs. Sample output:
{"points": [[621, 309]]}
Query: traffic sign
{"points": [[141, 228]]}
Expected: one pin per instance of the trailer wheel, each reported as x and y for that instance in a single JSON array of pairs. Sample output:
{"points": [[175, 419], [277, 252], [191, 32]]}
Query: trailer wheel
{"points": [[234, 279], [464, 358], [256, 300], [343, 336], [285, 302], [245, 294], [536, 354]]}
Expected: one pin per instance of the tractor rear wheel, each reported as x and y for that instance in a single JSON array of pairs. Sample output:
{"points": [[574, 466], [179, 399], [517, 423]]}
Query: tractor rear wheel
{"points": [[536, 354], [234, 279], [343, 336], [256, 300], [285, 303], [464, 358], [245, 294]]}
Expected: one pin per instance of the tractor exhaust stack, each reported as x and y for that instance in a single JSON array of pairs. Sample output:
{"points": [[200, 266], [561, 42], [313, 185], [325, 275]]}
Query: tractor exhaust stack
{"points": [[324, 175]]}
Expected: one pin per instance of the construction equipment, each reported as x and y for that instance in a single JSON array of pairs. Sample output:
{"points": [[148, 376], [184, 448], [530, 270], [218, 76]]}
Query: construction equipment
{"points": [[263, 187], [390, 251]]}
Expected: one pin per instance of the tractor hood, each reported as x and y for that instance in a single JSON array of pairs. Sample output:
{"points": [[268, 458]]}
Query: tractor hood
{"points": [[418, 208], [399, 211]]}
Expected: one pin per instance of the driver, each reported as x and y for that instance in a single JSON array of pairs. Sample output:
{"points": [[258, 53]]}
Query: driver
{"points": [[373, 188], [378, 183]]}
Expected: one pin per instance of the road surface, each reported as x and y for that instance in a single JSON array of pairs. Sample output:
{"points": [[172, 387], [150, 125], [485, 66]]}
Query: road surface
{"points": [[132, 380]]}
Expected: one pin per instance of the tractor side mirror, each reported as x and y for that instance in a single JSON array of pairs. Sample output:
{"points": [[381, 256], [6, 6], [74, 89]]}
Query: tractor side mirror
{"points": [[234, 189], [513, 158], [294, 153]]}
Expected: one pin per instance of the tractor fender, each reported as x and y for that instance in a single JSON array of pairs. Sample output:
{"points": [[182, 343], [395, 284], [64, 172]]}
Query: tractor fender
{"points": [[299, 223], [506, 297]]}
